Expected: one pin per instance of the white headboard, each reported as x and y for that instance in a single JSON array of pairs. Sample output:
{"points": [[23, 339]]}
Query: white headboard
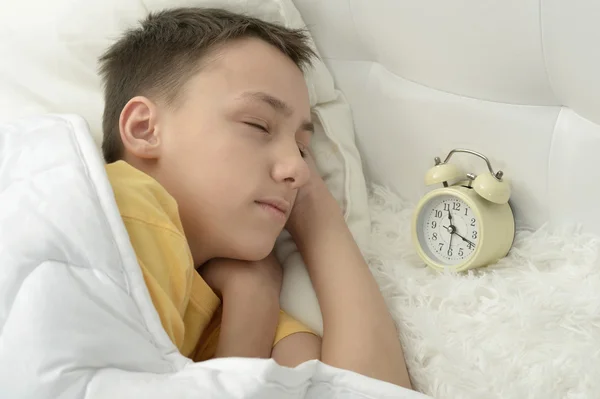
{"points": [[518, 80]]}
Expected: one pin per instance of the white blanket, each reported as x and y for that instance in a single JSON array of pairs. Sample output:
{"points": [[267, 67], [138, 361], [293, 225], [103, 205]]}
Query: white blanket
{"points": [[76, 319]]}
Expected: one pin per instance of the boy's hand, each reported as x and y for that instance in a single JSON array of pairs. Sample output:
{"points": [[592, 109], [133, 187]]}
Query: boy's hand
{"points": [[358, 331], [226, 276], [314, 203], [250, 295]]}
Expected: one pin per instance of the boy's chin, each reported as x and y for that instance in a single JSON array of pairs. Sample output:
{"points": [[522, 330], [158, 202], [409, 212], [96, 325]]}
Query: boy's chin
{"points": [[253, 251]]}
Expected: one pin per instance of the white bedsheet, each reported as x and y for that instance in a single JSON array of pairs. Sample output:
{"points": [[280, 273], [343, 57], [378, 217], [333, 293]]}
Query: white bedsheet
{"points": [[76, 320]]}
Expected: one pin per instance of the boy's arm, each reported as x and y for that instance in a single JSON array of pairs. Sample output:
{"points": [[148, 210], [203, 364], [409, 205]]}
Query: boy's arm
{"points": [[358, 332], [250, 297]]}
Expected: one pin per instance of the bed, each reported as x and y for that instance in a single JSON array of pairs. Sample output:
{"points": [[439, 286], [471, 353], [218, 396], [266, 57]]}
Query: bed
{"points": [[517, 81], [399, 83]]}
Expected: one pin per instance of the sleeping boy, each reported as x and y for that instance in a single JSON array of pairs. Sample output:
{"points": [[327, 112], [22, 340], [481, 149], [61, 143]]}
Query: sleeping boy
{"points": [[206, 135]]}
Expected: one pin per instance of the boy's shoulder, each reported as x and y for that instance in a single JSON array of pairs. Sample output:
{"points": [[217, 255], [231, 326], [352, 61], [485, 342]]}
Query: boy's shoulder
{"points": [[141, 198]]}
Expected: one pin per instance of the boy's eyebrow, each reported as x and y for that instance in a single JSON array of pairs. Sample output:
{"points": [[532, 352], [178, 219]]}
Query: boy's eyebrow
{"points": [[308, 126], [278, 105]]}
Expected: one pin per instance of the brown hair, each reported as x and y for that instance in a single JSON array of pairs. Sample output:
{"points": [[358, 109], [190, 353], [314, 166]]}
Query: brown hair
{"points": [[160, 56]]}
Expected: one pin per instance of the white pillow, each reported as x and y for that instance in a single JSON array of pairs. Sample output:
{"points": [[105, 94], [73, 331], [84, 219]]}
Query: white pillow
{"points": [[49, 64]]}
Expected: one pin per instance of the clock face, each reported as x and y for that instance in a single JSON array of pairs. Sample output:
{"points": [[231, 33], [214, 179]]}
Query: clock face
{"points": [[448, 230]]}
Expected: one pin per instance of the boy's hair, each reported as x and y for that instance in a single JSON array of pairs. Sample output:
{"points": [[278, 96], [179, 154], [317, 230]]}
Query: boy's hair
{"points": [[159, 57]]}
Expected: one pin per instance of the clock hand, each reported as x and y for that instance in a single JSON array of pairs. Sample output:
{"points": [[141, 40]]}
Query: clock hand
{"points": [[464, 239], [452, 230]]}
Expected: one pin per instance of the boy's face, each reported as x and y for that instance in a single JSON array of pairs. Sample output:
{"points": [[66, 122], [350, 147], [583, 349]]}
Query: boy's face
{"points": [[230, 152]]}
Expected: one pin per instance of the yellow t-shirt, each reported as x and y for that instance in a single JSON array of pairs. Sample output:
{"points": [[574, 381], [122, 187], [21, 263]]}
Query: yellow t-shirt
{"points": [[188, 308]]}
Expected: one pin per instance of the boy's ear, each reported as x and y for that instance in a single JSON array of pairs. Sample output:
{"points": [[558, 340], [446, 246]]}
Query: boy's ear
{"points": [[138, 128]]}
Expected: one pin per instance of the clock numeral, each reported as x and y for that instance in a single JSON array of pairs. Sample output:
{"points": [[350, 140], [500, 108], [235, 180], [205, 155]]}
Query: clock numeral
{"points": [[434, 236], [433, 224], [441, 246], [446, 207], [469, 245], [460, 252], [456, 206], [438, 214], [449, 251], [473, 222], [466, 211], [474, 234]]}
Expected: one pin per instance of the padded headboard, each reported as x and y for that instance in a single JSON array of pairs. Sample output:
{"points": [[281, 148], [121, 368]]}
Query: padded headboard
{"points": [[518, 80]]}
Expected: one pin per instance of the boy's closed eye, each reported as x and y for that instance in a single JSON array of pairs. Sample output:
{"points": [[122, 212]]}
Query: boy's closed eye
{"points": [[265, 129], [258, 126]]}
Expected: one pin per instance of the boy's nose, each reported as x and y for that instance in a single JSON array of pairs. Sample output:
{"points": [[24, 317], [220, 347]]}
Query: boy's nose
{"points": [[291, 169]]}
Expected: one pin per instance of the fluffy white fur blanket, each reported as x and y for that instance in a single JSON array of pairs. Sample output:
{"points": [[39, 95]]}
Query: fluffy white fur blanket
{"points": [[527, 327]]}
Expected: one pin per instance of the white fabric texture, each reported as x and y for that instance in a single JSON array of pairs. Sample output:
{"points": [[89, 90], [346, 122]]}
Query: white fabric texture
{"points": [[76, 319], [516, 80], [528, 327], [50, 50]]}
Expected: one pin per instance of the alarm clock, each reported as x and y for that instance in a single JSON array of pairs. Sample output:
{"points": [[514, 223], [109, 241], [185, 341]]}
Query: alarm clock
{"points": [[466, 223]]}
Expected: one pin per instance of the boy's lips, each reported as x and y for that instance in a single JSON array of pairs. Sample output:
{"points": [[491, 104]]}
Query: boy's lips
{"points": [[277, 204]]}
